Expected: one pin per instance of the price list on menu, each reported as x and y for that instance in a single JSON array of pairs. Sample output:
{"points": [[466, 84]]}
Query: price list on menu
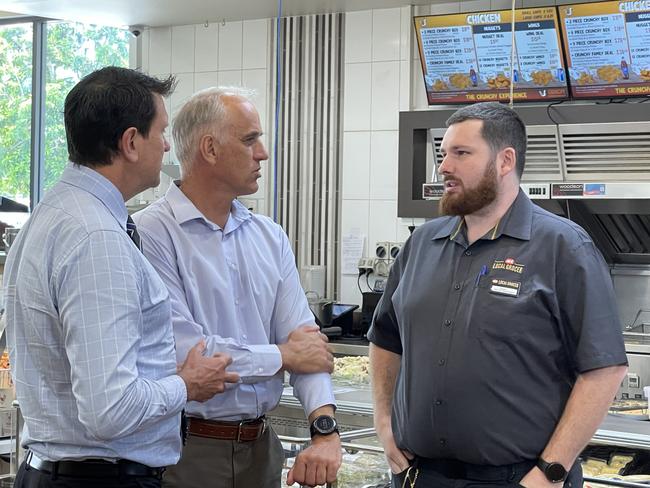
{"points": [[537, 45], [597, 40], [448, 49], [638, 34], [493, 48]]}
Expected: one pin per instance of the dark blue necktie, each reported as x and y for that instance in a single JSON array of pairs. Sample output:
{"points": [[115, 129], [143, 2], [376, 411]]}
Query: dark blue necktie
{"points": [[133, 232]]}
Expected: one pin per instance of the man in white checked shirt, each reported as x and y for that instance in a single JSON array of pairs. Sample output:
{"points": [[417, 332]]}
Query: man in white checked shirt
{"points": [[88, 319]]}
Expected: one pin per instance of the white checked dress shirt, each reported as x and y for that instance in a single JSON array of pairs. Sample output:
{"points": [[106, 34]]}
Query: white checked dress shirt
{"points": [[238, 289], [89, 331]]}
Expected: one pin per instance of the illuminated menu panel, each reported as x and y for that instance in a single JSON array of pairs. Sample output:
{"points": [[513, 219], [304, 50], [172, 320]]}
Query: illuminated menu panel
{"points": [[608, 48], [467, 57]]}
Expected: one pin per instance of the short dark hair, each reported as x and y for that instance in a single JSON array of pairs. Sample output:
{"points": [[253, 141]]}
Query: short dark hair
{"points": [[103, 105], [501, 128]]}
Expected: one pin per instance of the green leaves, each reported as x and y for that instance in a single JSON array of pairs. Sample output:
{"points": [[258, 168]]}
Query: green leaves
{"points": [[72, 51]]}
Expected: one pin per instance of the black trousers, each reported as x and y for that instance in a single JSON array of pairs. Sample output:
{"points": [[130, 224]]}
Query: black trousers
{"points": [[442, 473], [29, 477]]}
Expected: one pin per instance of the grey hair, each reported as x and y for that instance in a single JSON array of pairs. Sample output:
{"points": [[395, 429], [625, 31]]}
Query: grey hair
{"points": [[205, 110], [502, 128]]}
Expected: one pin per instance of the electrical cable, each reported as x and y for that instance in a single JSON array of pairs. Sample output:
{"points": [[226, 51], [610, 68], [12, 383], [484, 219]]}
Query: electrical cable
{"points": [[548, 110], [278, 86], [359, 283], [368, 282]]}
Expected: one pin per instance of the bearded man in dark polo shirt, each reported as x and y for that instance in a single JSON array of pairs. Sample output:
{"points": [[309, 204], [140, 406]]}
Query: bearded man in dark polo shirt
{"points": [[496, 348]]}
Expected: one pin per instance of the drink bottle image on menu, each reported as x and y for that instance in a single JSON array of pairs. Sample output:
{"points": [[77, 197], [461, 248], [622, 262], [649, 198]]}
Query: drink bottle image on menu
{"points": [[624, 69], [472, 76]]}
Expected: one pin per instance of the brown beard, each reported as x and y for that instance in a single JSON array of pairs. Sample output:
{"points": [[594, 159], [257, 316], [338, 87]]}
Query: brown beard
{"points": [[472, 200]]}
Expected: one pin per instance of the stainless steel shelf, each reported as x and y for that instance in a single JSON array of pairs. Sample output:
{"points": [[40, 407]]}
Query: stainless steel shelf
{"points": [[349, 349]]}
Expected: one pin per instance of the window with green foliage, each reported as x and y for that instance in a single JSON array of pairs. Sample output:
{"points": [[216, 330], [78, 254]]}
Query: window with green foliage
{"points": [[15, 109], [71, 52]]}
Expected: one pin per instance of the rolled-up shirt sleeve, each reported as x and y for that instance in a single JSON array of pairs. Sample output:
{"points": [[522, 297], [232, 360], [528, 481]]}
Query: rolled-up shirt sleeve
{"points": [[291, 311]]}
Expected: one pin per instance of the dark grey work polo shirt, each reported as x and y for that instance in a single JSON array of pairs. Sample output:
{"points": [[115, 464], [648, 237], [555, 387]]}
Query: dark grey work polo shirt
{"points": [[493, 335]]}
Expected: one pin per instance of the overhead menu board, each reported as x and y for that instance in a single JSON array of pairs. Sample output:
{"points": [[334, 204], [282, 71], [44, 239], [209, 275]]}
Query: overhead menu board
{"points": [[608, 48], [467, 57]]}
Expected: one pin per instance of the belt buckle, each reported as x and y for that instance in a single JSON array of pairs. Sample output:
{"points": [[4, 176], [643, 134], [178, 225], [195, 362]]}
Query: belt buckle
{"points": [[244, 422]]}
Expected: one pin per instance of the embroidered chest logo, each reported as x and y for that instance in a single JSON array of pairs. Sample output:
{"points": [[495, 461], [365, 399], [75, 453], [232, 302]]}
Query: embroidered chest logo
{"points": [[509, 264]]}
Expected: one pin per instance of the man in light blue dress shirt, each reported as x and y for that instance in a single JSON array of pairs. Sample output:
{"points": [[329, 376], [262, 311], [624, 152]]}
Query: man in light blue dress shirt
{"points": [[88, 319], [233, 283]]}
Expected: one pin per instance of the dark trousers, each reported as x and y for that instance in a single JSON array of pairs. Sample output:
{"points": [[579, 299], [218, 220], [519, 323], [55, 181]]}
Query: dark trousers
{"points": [[29, 477], [442, 473]]}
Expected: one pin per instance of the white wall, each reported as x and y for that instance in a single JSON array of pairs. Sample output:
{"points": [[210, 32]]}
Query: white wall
{"points": [[204, 55], [378, 60]]}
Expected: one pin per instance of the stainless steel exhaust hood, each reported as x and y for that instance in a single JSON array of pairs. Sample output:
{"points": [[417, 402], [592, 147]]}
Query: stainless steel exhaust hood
{"points": [[615, 214]]}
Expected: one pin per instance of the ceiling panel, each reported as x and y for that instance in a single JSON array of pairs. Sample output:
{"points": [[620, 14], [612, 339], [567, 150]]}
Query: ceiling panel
{"points": [[178, 12]]}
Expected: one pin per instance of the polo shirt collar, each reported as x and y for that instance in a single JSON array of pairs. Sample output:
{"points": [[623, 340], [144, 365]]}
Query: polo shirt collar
{"points": [[516, 222], [184, 210], [449, 228], [89, 180]]}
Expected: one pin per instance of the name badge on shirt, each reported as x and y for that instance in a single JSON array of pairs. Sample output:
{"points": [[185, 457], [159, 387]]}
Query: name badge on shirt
{"points": [[505, 287]]}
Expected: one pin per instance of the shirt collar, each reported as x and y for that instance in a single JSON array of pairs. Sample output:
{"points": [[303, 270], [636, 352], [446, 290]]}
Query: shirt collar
{"points": [[449, 228], [87, 179], [516, 222], [185, 211]]}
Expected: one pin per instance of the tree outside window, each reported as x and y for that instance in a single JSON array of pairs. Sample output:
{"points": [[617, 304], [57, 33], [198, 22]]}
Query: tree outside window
{"points": [[72, 51]]}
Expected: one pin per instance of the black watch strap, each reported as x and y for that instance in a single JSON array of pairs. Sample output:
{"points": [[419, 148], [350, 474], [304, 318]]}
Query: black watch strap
{"points": [[554, 472]]}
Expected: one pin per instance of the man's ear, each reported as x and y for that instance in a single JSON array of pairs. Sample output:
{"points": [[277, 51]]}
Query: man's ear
{"points": [[507, 161], [208, 148], [128, 144]]}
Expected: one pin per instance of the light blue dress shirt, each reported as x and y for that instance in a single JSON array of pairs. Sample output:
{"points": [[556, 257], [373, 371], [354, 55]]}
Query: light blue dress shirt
{"points": [[89, 331], [238, 289]]}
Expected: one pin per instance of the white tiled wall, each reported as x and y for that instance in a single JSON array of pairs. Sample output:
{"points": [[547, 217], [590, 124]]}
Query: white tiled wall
{"points": [[378, 58], [204, 55]]}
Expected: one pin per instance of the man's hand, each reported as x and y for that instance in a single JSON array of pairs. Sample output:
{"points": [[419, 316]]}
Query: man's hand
{"points": [[319, 463], [306, 351], [398, 459], [536, 479], [204, 377]]}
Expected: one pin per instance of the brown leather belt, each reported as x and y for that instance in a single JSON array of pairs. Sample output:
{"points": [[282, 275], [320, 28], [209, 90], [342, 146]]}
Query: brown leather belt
{"points": [[243, 431]]}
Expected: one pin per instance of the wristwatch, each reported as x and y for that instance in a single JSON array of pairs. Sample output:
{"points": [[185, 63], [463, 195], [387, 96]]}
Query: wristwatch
{"points": [[554, 472], [323, 425]]}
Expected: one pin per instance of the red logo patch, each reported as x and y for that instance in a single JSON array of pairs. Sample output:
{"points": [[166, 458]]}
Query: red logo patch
{"points": [[509, 261]]}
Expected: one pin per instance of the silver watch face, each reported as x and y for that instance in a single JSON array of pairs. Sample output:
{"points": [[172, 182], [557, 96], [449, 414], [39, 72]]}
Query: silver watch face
{"points": [[325, 424]]}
